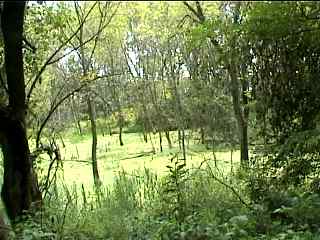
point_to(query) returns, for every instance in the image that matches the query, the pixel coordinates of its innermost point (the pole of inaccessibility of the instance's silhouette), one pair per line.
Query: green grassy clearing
(134, 155)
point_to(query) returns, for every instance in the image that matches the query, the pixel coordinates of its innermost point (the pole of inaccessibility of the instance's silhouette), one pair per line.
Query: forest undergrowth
(195, 204)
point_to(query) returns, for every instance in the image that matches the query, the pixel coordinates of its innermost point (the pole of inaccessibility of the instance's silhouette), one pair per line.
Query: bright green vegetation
(141, 199)
(143, 205)
(135, 155)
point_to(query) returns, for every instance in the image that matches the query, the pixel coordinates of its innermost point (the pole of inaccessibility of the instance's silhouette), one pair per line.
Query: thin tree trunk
(244, 145)
(120, 135)
(109, 127)
(202, 136)
(92, 116)
(76, 117)
(160, 141)
(145, 136)
(231, 159)
(152, 145)
(20, 188)
(167, 133)
(183, 145)
(240, 114)
(120, 122)
(213, 150)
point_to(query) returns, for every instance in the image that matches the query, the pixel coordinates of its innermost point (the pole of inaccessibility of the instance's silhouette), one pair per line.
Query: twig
(229, 187)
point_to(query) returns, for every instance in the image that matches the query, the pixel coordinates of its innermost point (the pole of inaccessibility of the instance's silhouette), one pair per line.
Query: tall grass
(133, 208)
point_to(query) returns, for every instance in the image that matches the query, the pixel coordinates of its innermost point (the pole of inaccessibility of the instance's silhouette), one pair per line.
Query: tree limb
(55, 107)
(198, 13)
(49, 60)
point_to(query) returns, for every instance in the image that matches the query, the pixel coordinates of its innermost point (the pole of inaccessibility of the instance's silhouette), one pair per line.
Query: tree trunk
(240, 114)
(76, 116)
(184, 154)
(244, 145)
(20, 188)
(160, 141)
(241, 109)
(92, 116)
(145, 136)
(152, 145)
(167, 133)
(120, 135)
(202, 136)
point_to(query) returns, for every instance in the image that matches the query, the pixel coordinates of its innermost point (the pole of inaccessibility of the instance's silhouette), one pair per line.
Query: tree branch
(199, 14)
(49, 60)
(55, 107)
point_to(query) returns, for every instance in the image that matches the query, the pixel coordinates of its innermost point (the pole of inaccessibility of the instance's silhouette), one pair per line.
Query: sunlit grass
(134, 155)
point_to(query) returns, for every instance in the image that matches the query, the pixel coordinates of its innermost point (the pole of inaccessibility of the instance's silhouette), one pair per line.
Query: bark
(92, 116)
(152, 145)
(179, 138)
(241, 109)
(20, 188)
(184, 154)
(245, 113)
(244, 145)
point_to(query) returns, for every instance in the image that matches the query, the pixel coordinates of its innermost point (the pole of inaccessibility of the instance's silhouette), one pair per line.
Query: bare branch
(233, 190)
(200, 12)
(101, 28)
(49, 60)
(29, 45)
(55, 107)
(195, 12)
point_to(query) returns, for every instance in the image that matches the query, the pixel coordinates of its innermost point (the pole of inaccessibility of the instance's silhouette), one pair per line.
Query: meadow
(134, 156)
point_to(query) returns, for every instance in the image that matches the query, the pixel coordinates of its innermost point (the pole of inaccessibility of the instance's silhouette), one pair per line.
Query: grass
(134, 155)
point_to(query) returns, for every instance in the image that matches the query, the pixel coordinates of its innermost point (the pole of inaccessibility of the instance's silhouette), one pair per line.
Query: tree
(148, 53)
(225, 37)
(20, 187)
(86, 62)
(286, 66)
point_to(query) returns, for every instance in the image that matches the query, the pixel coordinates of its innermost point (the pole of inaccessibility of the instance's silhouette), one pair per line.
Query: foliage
(286, 66)
(134, 208)
(174, 188)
